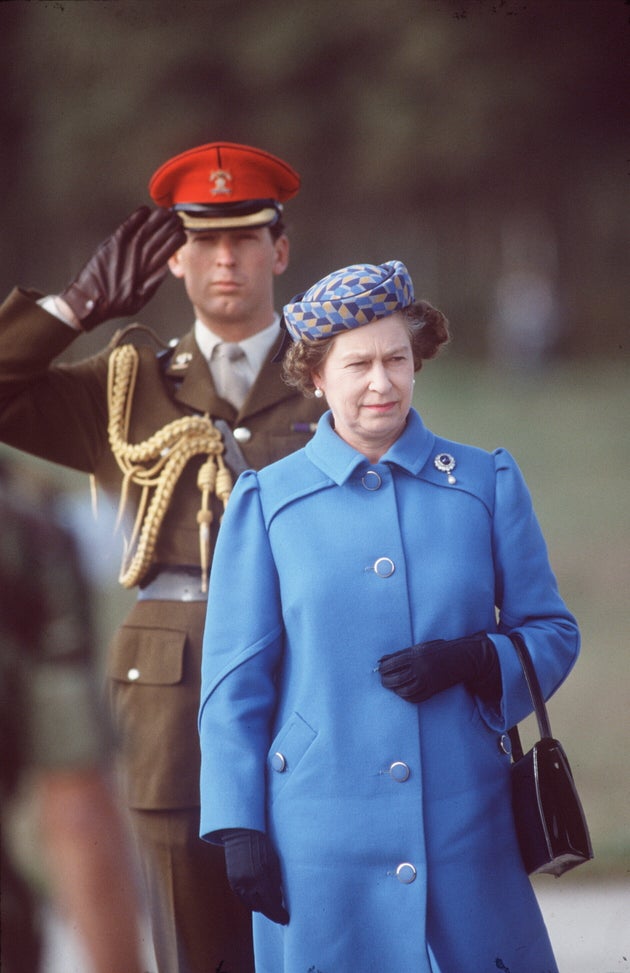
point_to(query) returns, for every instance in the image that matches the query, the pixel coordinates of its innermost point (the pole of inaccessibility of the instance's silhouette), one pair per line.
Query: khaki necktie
(232, 378)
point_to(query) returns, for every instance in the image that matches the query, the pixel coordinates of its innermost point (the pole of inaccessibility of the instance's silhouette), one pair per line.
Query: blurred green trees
(484, 142)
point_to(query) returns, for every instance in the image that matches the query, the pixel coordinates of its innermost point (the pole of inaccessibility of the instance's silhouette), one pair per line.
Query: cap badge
(220, 180)
(445, 463)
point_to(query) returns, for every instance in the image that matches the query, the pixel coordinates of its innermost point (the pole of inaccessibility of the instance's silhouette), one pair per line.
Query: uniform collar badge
(182, 360)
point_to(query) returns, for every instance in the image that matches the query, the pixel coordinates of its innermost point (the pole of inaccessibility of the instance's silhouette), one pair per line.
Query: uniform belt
(174, 584)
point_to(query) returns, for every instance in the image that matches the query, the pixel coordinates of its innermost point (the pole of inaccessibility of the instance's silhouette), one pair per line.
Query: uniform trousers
(190, 901)
(198, 924)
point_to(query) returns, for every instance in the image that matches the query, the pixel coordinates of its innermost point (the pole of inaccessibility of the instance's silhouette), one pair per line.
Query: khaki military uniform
(60, 412)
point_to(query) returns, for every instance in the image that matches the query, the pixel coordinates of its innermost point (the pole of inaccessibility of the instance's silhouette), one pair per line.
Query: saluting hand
(126, 269)
(421, 671)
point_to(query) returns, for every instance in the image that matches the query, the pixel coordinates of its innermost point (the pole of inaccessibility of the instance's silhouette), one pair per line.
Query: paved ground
(589, 927)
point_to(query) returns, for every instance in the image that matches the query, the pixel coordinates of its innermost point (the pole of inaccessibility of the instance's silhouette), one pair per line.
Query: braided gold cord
(156, 465)
(206, 480)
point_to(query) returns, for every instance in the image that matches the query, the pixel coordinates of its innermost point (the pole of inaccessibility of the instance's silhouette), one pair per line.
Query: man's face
(229, 277)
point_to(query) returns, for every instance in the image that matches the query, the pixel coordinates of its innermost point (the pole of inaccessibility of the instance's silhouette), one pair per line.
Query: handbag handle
(538, 700)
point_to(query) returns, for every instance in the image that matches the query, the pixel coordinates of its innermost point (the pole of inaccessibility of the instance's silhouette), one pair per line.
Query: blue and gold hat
(349, 298)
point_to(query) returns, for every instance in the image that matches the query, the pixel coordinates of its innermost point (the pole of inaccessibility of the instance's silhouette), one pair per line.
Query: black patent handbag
(550, 823)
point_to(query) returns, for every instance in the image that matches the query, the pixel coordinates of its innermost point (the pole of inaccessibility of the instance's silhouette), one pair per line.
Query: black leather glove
(253, 871)
(127, 268)
(419, 672)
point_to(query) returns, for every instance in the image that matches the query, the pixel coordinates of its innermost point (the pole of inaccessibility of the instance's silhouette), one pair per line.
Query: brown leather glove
(127, 268)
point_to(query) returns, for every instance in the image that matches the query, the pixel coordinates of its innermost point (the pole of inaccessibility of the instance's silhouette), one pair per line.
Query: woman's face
(367, 378)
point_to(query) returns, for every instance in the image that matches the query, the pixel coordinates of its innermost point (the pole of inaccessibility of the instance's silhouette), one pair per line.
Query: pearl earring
(318, 393)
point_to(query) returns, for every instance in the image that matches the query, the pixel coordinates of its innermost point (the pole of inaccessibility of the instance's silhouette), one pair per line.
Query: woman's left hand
(421, 671)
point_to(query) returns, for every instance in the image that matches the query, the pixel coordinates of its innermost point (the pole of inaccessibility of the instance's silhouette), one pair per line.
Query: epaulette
(138, 334)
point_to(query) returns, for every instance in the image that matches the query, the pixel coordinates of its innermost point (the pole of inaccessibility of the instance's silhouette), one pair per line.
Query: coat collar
(338, 460)
(195, 388)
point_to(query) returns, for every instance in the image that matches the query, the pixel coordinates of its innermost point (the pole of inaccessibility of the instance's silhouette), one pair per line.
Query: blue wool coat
(392, 820)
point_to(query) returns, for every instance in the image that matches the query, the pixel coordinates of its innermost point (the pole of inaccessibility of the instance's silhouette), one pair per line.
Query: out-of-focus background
(483, 142)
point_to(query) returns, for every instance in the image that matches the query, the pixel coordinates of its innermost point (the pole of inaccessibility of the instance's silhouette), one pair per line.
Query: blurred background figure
(524, 331)
(54, 733)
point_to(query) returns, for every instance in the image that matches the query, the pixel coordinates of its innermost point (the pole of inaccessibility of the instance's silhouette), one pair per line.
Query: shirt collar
(256, 347)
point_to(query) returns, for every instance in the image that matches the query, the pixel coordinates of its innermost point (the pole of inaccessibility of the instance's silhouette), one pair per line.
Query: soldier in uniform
(166, 430)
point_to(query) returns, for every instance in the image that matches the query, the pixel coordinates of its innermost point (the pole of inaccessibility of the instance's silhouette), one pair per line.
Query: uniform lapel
(268, 390)
(188, 370)
(194, 388)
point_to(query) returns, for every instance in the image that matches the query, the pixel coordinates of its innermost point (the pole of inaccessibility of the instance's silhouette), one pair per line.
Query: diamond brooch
(445, 463)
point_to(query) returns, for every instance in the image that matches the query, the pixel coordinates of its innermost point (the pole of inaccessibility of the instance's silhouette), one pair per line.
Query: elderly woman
(358, 674)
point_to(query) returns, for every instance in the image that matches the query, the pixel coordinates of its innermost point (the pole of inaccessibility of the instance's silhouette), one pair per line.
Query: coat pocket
(287, 751)
(147, 657)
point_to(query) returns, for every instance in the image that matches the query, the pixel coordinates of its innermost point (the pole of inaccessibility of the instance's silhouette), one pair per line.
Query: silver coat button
(278, 762)
(406, 873)
(384, 567)
(399, 771)
(505, 744)
(242, 434)
(133, 674)
(371, 480)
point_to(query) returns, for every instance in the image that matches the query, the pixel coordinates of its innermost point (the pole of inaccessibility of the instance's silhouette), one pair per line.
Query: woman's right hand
(253, 871)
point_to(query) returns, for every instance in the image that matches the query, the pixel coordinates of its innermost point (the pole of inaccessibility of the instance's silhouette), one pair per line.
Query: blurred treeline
(484, 142)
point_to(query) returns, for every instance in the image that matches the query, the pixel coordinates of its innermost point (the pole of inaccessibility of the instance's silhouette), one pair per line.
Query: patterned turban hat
(349, 298)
